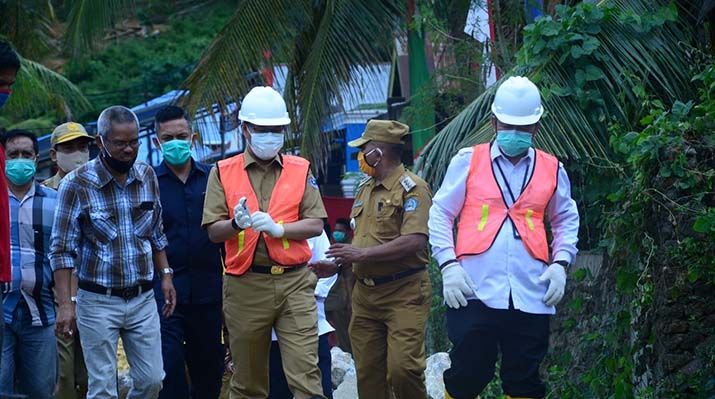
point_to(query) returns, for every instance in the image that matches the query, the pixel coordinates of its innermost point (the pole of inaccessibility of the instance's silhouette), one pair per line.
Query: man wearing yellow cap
(70, 150)
(393, 293)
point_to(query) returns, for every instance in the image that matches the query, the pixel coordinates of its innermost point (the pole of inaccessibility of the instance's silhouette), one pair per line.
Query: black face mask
(118, 166)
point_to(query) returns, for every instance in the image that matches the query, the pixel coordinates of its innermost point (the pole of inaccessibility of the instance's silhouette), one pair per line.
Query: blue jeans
(101, 320)
(29, 358)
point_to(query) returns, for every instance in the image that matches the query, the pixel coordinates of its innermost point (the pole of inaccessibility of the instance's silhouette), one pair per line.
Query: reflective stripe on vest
(284, 207)
(485, 211)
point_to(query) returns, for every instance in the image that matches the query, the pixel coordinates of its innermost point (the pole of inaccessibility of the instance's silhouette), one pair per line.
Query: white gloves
(456, 284)
(556, 274)
(263, 222)
(242, 215)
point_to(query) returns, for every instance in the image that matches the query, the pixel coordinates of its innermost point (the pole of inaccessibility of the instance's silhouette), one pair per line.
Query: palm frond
(577, 118)
(343, 42)
(39, 89)
(238, 49)
(28, 25)
(320, 42)
(88, 20)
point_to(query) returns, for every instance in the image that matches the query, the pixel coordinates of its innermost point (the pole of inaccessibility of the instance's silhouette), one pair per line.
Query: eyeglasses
(122, 144)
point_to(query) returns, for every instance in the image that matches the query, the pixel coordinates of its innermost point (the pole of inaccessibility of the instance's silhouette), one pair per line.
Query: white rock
(342, 363)
(348, 387)
(436, 365)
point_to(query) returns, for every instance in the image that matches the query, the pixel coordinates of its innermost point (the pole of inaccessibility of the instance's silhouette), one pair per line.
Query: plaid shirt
(108, 231)
(30, 227)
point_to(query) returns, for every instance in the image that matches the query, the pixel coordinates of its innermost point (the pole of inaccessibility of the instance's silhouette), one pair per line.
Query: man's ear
(53, 155)
(156, 143)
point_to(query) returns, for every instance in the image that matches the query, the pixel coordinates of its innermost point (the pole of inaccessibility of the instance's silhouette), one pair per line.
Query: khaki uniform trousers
(387, 332)
(253, 304)
(72, 378)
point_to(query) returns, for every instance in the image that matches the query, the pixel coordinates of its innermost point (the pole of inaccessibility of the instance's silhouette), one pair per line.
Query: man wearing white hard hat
(501, 280)
(264, 206)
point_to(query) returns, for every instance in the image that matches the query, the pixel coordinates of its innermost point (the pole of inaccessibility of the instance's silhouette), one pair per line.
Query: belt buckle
(369, 282)
(128, 293)
(277, 270)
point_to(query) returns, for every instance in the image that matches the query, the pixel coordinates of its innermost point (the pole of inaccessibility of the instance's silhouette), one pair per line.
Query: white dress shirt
(506, 267)
(318, 245)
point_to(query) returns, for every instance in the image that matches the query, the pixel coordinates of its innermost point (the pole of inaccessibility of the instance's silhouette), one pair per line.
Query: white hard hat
(517, 102)
(263, 106)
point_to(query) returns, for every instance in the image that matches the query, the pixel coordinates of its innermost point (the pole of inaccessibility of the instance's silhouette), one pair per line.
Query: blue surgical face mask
(513, 142)
(339, 236)
(176, 152)
(20, 171)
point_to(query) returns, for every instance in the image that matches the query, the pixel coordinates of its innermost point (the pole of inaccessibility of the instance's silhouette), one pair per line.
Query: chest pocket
(389, 218)
(143, 218)
(103, 225)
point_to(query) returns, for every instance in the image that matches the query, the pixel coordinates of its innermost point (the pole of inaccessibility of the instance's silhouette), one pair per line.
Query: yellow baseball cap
(67, 132)
(381, 130)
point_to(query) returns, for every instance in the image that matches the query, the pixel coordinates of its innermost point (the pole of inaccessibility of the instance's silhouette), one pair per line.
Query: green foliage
(137, 70)
(659, 229)
(40, 126)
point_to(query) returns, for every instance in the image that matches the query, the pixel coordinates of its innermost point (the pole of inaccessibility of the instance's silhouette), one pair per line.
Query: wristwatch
(234, 224)
(167, 270)
(73, 299)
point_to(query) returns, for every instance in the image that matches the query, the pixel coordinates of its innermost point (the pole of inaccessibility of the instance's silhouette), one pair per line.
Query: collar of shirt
(249, 159)
(495, 153)
(102, 175)
(196, 167)
(393, 178)
(34, 190)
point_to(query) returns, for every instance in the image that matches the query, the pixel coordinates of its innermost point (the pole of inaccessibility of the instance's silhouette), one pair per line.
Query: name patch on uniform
(411, 204)
(313, 182)
(407, 183)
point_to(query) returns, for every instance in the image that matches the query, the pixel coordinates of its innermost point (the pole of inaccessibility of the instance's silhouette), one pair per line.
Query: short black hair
(11, 134)
(8, 57)
(170, 113)
(344, 222)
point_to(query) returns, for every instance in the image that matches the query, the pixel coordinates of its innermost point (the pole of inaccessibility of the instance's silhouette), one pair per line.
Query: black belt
(125, 293)
(371, 282)
(275, 270)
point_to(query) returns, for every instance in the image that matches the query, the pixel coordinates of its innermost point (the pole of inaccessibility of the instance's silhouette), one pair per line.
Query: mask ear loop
(370, 152)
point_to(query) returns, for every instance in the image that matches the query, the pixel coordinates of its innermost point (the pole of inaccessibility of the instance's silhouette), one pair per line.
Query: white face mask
(266, 145)
(71, 161)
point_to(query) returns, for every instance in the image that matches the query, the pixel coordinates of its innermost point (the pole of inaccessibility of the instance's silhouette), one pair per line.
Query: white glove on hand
(455, 285)
(263, 222)
(242, 215)
(556, 274)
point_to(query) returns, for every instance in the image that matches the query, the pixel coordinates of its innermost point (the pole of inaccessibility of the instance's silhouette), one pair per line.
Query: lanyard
(506, 182)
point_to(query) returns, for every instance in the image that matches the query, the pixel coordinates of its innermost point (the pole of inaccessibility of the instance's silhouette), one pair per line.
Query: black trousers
(191, 338)
(478, 333)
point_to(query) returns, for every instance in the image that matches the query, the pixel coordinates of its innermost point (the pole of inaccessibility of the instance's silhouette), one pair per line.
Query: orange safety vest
(284, 207)
(485, 210)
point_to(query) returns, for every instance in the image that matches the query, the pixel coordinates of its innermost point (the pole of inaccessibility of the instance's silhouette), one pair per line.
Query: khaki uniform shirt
(263, 179)
(53, 182)
(384, 211)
